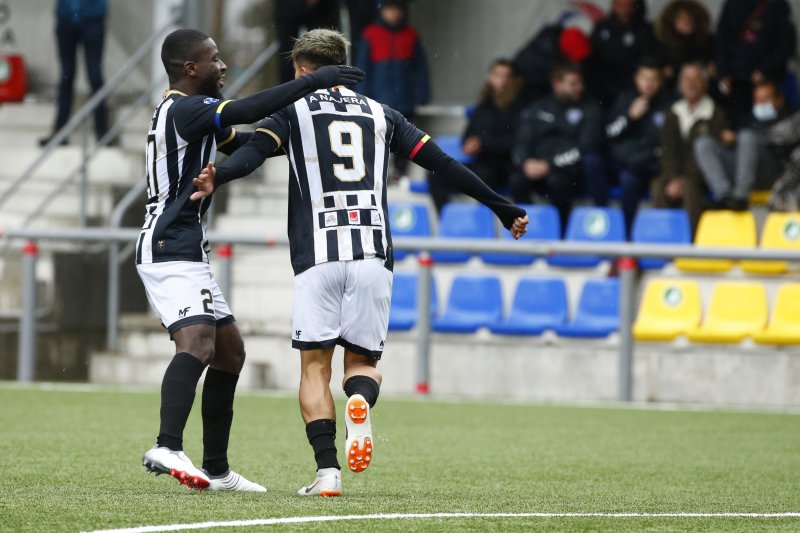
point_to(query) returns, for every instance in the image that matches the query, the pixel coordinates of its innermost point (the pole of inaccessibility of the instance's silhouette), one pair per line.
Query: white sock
(327, 471)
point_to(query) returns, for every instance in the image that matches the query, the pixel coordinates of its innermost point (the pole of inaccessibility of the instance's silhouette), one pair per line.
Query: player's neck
(185, 88)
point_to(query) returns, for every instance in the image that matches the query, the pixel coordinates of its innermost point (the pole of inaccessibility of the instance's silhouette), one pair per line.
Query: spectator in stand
(392, 55)
(633, 133)
(732, 163)
(755, 39)
(557, 148)
(619, 43)
(291, 16)
(553, 44)
(80, 22)
(490, 133)
(785, 193)
(684, 34)
(694, 116)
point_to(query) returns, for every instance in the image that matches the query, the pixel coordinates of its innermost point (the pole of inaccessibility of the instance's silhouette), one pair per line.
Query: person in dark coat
(619, 43)
(490, 133)
(557, 148)
(684, 35)
(755, 39)
(291, 16)
(633, 132)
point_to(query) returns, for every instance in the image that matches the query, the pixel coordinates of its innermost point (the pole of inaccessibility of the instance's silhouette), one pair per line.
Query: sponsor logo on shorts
(381, 345)
(331, 219)
(162, 245)
(354, 217)
(183, 312)
(297, 333)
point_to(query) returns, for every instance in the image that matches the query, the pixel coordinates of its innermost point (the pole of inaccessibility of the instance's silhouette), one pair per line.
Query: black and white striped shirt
(184, 136)
(338, 144)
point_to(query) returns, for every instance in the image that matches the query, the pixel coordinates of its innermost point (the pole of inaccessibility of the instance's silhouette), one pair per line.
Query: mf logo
(183, 312)
(381, 345)
(297, 333)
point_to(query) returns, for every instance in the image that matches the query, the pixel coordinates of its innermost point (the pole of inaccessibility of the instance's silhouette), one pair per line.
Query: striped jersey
(184, 136)
(338, 144)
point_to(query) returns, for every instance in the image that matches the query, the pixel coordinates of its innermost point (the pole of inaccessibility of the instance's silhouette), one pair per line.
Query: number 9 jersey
(337, 141)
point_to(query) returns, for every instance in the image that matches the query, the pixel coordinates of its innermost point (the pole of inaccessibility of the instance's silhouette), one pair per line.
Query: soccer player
(187, 128)
(338, 144)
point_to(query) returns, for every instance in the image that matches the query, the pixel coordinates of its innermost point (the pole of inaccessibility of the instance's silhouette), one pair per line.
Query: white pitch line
(308, 519)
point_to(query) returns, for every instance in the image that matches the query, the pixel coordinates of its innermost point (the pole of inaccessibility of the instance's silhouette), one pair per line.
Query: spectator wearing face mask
(732, 163)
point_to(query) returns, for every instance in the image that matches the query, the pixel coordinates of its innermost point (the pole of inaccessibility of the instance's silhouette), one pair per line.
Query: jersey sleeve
(406, 139)
(198, 116)
(277, 127)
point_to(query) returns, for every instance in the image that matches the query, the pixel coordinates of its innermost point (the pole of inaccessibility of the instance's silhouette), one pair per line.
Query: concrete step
(109, 165)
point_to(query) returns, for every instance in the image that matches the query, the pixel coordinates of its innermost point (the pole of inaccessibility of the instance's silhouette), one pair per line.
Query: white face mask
(765, 111)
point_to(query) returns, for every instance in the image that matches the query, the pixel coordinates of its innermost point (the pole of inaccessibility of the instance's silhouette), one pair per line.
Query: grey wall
(463, 36)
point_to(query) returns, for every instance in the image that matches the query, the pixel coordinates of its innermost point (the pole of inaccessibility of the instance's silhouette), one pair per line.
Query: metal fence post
(627, 275)
(424, 322)
(112, 316)
(26, 344)
(84, 185)
(225, 254)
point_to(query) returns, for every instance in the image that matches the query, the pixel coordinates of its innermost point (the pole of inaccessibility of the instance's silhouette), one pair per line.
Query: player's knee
(199, 345)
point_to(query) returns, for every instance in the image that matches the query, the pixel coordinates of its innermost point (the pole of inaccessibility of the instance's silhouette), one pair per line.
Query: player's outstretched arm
(264, 103)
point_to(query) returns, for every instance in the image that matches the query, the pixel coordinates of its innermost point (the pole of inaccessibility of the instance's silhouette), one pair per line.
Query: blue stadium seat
(464, 221)
(403, 313)
(598, 311)
(474, 302)
(451, 145)
(539, 304)
(661, 226)
(408, 220)
(420, 186)
(590, 224)
(543, 225)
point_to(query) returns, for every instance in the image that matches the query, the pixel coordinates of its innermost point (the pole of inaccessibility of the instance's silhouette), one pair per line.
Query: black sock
(217, 408)
(365, 386)
(322, 436)
(177, 396)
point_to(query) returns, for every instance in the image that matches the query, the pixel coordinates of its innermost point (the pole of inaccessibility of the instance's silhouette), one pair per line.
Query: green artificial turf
(71, 462)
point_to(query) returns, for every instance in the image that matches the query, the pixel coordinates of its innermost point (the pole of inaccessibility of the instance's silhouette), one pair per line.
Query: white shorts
(183, 293)
(345, 303)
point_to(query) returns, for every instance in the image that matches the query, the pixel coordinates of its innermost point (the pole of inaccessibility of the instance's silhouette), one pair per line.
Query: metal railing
(627, 253)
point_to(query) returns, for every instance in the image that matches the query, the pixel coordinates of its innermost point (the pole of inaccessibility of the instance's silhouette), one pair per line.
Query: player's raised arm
(264, 103)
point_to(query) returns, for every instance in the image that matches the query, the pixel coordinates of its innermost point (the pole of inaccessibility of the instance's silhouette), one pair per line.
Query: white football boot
(233, 481)
(358, 446)
(328, 483)
(165, 461)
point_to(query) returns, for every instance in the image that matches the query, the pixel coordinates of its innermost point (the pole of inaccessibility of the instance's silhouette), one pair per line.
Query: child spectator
(755, 39)
(633, 132)
(683, 31)
(619, 43)
(694, 116)
(557, 146)
(490, 133)
(391, 54)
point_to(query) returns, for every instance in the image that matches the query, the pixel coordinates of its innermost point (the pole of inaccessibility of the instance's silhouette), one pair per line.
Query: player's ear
(190, 69)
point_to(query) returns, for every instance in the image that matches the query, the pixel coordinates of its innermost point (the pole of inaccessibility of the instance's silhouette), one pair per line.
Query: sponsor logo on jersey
(376, 218)
(574, 115)
(354, 217)
(331, 219)
(211, 100)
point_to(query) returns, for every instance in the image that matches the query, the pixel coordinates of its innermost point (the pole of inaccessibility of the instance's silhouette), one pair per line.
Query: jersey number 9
(347, 141)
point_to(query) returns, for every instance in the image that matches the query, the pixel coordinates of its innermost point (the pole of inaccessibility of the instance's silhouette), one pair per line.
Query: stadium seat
(403, 313)
(408, 220)
(726, 229)
(543, 225)
(781, 232)
(451, 145)
(590, 224)
(474, 302)
(598, 311)
(660, 226)
(464, 221)
(420, 186)
(737, 310)
(784, 325)
(670, 307)
(539, 304)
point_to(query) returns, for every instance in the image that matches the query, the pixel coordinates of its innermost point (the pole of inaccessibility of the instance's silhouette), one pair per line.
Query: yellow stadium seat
(721, 229)
(782, 232)
(784, 327)
(670, 307)
(737, 310)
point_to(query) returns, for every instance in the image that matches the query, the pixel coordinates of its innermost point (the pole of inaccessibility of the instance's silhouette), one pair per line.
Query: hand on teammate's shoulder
(204, 182)
(333, 75)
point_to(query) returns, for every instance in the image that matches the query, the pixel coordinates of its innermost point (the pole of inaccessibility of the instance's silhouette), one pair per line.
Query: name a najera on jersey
(323, 97)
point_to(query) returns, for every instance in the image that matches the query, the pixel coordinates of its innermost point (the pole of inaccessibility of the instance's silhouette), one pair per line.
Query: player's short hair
(563, 68)
(319, 48)
(180, 46)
